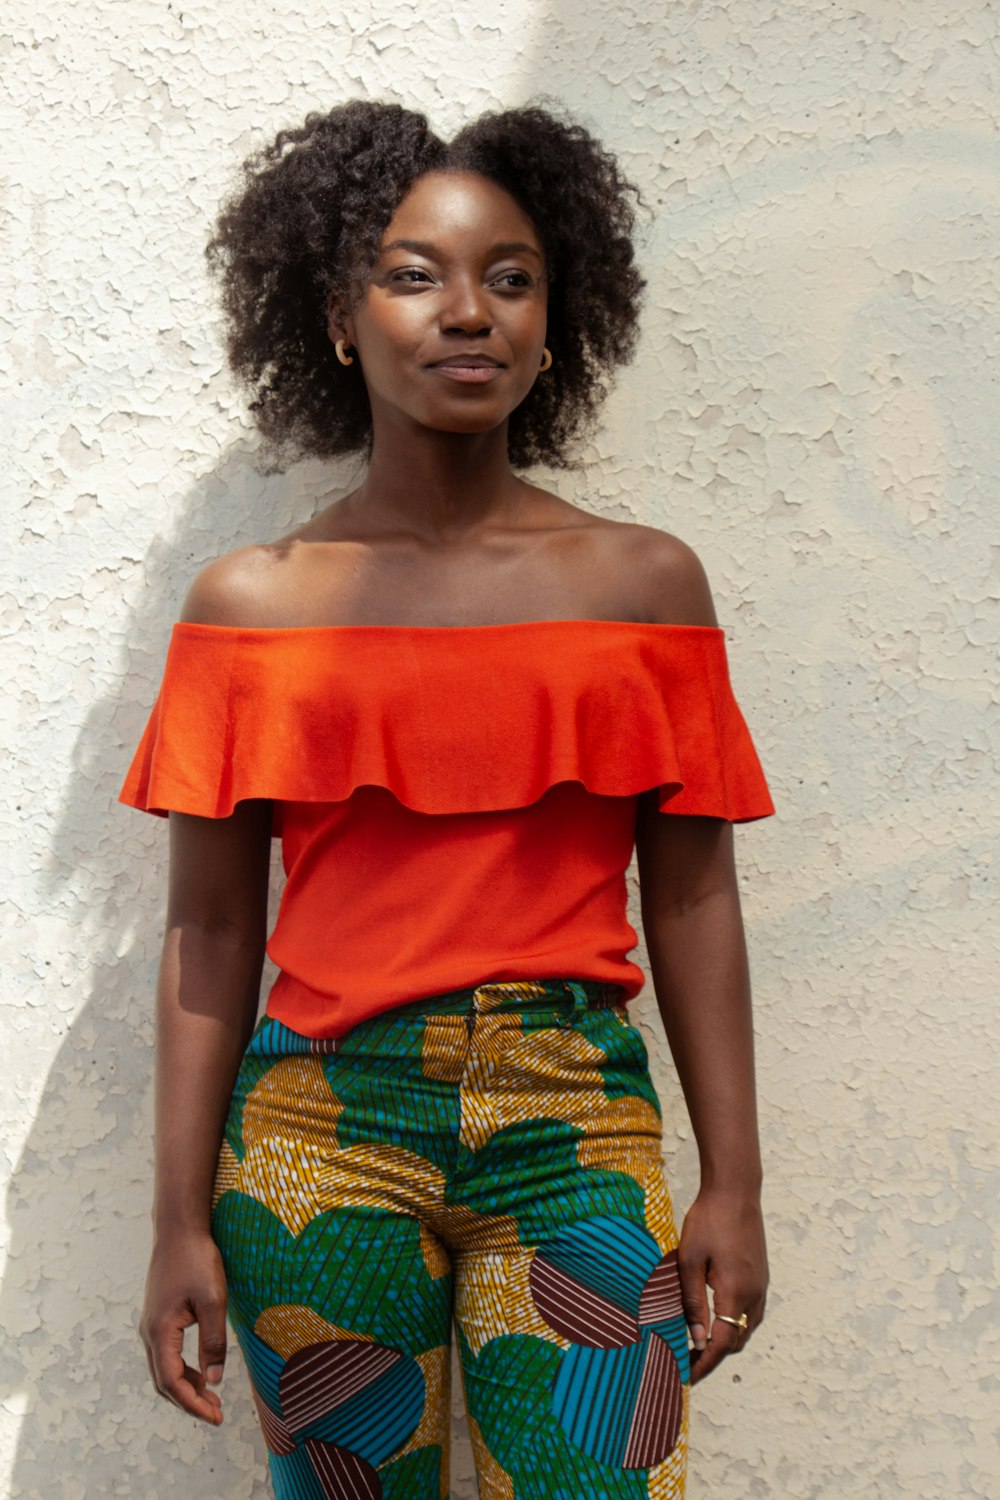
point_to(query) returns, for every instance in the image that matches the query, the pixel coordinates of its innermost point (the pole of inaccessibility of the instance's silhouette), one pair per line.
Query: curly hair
(307, 220)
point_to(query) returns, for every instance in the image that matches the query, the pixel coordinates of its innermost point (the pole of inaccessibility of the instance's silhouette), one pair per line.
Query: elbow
(222, 943)
(686, 905)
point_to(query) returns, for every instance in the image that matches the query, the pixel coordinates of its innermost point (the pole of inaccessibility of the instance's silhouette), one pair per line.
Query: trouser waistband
(512, 995)
(540, 1002)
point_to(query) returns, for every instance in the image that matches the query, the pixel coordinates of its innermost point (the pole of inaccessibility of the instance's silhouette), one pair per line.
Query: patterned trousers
(489, 1157)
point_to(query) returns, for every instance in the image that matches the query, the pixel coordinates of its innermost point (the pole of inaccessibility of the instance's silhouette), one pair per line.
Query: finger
(755, 1316)
(177, 1381)
(694, 1299)
(722, 1342)
(212, 1339)
(718, 1347)
(727, 1335)
(192, 1395)
(164, 1344)
(149, 1355)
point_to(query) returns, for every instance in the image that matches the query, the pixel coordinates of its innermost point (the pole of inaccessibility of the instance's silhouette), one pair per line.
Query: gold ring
(740, 1322)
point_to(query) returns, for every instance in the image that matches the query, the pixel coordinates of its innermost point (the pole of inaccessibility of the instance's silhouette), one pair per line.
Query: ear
(338, 323)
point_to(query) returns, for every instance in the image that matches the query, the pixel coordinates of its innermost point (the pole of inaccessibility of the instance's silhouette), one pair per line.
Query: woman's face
(450, 327)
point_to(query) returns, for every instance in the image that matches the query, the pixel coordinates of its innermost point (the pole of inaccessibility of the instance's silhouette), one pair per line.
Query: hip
(526, 1079)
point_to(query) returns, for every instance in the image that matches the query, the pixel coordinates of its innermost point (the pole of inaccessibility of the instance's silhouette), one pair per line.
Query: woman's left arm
(697, 952)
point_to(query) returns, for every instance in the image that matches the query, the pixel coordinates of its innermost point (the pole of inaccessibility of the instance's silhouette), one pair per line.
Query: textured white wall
(813, 408)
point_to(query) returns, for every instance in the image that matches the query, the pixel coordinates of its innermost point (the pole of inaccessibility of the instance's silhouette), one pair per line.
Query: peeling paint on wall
(812, 408)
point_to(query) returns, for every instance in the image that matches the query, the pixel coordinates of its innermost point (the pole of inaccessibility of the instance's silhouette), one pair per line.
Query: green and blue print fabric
(491, 1157)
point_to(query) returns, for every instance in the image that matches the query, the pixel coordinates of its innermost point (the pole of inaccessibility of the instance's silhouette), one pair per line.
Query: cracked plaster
(812, 408)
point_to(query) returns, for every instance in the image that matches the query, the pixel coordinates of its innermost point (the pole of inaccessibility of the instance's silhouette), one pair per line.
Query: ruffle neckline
(449, 719)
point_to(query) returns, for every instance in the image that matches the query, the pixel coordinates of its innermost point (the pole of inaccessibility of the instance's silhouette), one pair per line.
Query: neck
(439, 486)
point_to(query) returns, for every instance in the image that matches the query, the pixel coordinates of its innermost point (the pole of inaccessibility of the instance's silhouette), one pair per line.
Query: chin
(469, 424)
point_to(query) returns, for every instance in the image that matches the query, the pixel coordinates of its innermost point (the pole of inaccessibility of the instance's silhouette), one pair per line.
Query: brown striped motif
(324, 1376)
(579, 1314)
(277, 1436)
(342, 1474)
(661, 1296)
(656, 1421)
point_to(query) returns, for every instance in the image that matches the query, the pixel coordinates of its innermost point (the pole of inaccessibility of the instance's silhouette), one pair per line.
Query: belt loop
(592, 994)
(580, 1000)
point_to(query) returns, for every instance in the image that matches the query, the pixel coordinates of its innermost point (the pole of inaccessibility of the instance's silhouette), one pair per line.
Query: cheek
(398, 326)
(528, 323)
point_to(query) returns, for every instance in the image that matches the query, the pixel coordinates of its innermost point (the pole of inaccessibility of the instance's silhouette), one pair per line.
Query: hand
(722, 1247)
(186, 1285)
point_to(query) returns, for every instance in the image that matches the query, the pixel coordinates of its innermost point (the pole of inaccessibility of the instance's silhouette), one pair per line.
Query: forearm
(206, 1005)
(698, 962)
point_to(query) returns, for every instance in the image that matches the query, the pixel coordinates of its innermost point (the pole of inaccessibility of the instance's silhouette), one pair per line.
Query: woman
(461, 702)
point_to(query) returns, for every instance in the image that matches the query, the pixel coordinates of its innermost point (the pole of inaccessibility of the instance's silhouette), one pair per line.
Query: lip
(466, 361)
(467, 374)
(467, 369)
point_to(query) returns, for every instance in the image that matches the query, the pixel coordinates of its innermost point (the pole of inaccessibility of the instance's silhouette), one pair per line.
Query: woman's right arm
(207, 998)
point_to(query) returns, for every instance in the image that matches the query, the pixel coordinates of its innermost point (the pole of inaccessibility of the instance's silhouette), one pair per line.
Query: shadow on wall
(79, 1200)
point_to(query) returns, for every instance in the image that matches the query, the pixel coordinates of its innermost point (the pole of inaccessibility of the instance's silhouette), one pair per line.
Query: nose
(466, 308)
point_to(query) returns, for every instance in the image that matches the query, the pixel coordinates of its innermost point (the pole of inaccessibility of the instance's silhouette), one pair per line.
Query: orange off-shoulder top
(456, 804)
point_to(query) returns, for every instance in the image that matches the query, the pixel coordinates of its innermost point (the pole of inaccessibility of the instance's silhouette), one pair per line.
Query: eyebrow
(425, 248)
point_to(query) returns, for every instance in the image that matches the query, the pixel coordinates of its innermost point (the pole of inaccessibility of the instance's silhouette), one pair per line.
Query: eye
(512, 280)
(411, 276)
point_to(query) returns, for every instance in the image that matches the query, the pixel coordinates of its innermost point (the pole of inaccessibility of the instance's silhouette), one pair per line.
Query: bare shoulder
(243, 588)
(662, 576)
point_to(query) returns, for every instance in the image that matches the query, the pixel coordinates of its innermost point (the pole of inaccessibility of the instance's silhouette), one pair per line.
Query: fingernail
(213, 1374)
(698, 1336)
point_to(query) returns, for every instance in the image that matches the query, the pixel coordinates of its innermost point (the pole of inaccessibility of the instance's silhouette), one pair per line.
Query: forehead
(452, 208)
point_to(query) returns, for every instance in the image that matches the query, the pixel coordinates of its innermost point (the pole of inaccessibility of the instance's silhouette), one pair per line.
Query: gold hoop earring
(546, 363)
(342, 354)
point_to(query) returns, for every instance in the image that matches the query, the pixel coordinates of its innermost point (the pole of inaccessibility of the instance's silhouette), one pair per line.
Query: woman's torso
(455, 744)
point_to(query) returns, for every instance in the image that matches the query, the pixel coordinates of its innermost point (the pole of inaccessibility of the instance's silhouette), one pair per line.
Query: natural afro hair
(308, 218)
